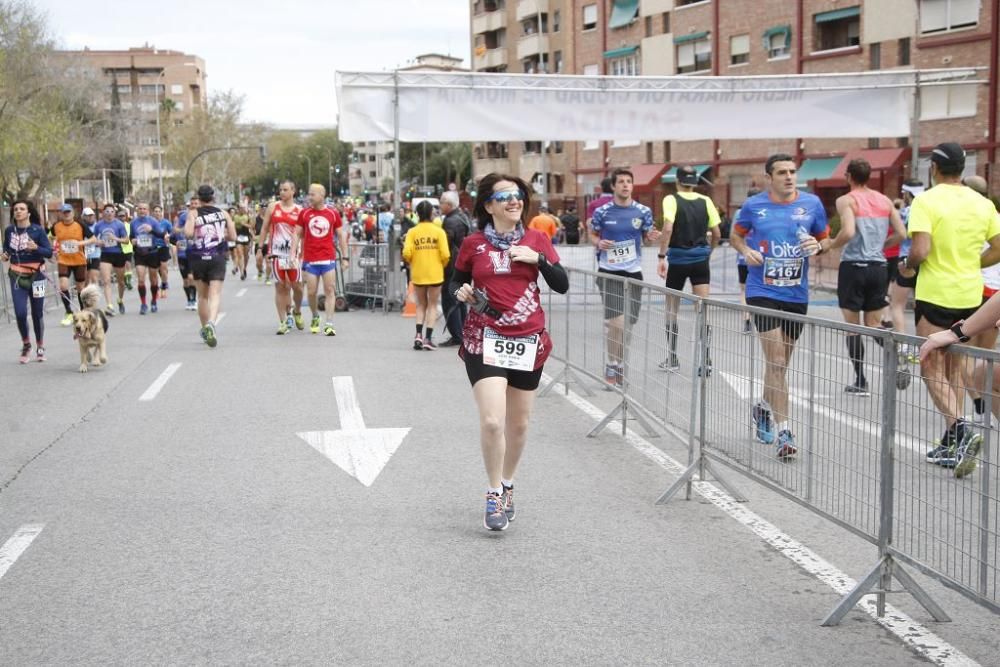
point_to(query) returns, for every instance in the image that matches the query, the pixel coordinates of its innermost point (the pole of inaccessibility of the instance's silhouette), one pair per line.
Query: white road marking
(241, 292)
(17, 544)
(912, 634)
(159, 382)
(221, 317)
(359, 451)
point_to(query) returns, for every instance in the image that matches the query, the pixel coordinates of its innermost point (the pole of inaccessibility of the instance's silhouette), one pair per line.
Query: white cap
(88, 211)
(914, 189)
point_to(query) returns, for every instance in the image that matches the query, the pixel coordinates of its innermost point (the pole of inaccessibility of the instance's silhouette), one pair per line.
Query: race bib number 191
(622, 252)
(512, 353)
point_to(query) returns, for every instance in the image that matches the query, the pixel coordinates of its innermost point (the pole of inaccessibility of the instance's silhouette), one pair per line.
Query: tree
(50, 127)
(286, 162)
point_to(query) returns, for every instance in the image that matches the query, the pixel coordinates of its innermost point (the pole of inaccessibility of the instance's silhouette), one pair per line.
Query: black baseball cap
(687, 175)
(948, 154)
(206, 193)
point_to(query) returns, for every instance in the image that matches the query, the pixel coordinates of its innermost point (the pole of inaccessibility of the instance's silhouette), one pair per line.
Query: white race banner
(436, 106)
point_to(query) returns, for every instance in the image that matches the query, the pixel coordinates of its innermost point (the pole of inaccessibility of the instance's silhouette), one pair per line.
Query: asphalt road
(198, 527)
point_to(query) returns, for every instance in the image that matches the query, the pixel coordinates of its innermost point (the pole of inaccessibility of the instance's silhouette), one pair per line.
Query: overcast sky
(281, 55)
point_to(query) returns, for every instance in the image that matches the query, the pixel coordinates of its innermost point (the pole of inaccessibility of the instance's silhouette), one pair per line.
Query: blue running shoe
(496, 517)
(507, 497)
(763, 424)
(152, 307)
(142, 309)
(786, 444)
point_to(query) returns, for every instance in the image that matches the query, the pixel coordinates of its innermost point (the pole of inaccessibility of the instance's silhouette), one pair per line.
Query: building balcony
(490, 58)
(532, 45)
(489, 22)
(526, 8)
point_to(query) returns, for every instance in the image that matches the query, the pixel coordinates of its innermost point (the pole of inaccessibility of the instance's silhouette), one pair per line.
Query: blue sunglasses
(506, 196)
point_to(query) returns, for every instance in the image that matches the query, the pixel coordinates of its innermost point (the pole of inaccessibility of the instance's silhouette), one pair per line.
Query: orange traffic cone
(410, 306)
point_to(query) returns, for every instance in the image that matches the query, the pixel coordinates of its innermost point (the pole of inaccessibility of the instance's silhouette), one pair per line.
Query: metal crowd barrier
(861, 460)
(372, 278)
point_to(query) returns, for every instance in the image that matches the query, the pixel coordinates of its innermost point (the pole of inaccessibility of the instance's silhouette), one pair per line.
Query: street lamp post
(329, 169)
(309, 172)
(159, 136)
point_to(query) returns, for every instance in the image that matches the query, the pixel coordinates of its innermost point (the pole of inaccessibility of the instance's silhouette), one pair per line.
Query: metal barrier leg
(698, 462)
(566, 377)
(887, 567)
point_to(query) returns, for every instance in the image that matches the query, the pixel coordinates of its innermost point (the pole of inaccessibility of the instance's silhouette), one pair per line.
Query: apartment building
(146, 79)
(739, 37)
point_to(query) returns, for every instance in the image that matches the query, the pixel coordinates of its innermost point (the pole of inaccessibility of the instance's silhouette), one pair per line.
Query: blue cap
(65, 207)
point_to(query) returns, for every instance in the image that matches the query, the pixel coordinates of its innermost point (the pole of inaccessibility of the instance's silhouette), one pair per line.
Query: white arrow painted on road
(359, 451)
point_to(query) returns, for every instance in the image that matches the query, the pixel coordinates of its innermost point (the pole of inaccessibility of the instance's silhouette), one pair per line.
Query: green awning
(692, 37)
(618, 53)
(623, 12)
(837, 14)
(671, 175)
(785, 30)
(816, 169)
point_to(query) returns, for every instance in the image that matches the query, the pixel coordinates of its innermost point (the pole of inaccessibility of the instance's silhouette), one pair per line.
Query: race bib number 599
(513, 353)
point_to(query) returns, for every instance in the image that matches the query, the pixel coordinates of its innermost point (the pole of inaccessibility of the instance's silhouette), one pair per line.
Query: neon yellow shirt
(959, 220)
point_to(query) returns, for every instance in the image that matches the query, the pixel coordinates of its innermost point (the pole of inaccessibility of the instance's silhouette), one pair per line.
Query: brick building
(737, 38)
(145, 76)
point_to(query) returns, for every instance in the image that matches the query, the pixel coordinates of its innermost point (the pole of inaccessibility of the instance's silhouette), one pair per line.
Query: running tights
(21, 298)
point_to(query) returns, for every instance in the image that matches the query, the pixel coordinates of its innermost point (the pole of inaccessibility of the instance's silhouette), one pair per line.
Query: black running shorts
(862, 286)
(698, 273)
(477, 370)
(791, 329)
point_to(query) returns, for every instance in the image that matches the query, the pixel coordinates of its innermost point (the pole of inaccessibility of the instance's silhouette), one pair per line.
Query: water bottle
(804, 236)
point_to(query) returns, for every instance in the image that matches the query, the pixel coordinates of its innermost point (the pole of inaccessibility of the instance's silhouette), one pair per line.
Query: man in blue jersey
(164, 246)
(145, 231)
(787, 227)
(618, 229)
(113, 234)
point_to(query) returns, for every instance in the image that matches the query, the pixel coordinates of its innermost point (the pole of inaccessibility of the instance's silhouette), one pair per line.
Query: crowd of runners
(480, 270)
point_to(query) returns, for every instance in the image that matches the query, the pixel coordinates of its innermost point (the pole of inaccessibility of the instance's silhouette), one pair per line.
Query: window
(944, 15)
(151, 89)
(649, 152)
(123, 88)
(838, 29)
(556, 147)
(179, 106)
(371, 158)
(778, 42)
(681, 3)
(739, 49)
(694, 55)
(556, 18)
(532, 147)
(176, 89)
(495, 39)
(873, 142)
(666, 22)
(649, 26)
(372, 174)
(875, 56)
(955, 101)
(624, 65)
(557, 60)
(589, 17)
(904, 52)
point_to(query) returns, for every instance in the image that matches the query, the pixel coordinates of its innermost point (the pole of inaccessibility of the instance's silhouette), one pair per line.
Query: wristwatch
(661, 256)
(956, 329)
(541, 259)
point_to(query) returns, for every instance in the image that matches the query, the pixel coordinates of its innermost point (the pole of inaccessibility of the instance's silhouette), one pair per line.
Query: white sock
(507, 482)
(497, 490)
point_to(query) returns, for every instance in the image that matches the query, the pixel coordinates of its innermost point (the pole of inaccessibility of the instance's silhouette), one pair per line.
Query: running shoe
(507, 498)
(965, 453)
(210, 339)
(190, 306)
(672, 363)
(786, 444)
(763, 424)
(451, 342)
(143, 309)
(495, 517)
(109, 311)
(25, 353)
(260, 277)
(283, 328)
(746, 326)
(706, 369)
(429, 345)
(913, 354)
(610, 376)
(418, 342)
(903, 377)
(121, 306)
(128, 280)
(66, 320)
(243, 275)
(857, 389)
(314, 325)
(152, 307)
(619, 375)
(40, 357)
(941, 451)
(328, 329)
(289, 322)
(300, 323)
(267, 282)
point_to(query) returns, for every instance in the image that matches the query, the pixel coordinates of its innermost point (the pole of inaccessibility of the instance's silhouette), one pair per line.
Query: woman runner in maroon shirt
(505, 343)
